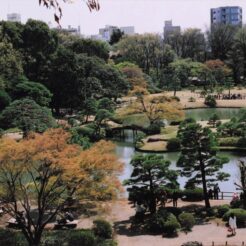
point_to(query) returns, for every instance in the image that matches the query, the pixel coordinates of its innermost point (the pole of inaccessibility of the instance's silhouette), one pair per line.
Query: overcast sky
(145, 15)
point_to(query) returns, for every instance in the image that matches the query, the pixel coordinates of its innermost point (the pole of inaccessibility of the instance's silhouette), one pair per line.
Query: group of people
(229, 97)
(214, 193)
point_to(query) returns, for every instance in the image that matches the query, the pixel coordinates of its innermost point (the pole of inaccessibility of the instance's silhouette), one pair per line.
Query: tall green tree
(26, 115)
(220, 40)
(116, 36)
(240, 45)
(150, 173)
(198, 159)
(90, 47)
(10, 63)
(39, 43)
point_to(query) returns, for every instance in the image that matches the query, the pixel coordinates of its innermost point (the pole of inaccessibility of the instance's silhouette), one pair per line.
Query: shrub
(102, 229)
(192, 195)
(174, 210)
(194, 243)
(7, 237)
(210, 101)
(187, 220)
(192, 99)
(222, 210)
(241, 143)
(171, 225)
(228, 141)
(173, 144)
(4, 99)
(175, 98)
(108, 242)
(157, 221)
(85, 238)
(154, 128)
(240, 215)
(237, 204)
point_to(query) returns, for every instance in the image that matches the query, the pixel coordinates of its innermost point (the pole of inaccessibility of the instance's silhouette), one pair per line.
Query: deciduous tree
(41, 174)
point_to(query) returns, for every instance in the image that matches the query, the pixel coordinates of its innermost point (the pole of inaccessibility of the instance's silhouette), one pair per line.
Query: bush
(222, 210)
(237, 204)
(192, 99)
(102, 229)
(241, 143)
(187, 220)
(228, 141)
(157, 221)
(210, 101)
(173, 144)
(175, 98)
(240, 215)
(192, 195)
(108, 242)
(171, 225)
(5, 100)
(85, 238)
(174, 210)
(154, 128)
(194, 243)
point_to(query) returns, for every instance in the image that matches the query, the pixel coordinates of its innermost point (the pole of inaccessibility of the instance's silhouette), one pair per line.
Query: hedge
(240, 215)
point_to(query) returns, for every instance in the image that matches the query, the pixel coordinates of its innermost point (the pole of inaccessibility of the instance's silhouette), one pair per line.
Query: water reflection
(125, 150)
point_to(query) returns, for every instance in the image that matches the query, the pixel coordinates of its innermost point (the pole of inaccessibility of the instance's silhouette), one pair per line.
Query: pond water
(125, 151)
(206, 113)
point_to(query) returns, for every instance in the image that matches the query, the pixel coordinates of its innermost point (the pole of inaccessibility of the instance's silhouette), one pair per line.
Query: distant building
(14, 17)
(107, 31)
(70, 30)
(170, 29)
(226, 15)
(97, 37)
(128, 30)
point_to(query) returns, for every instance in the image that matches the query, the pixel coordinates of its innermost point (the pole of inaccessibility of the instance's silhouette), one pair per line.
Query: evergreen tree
(198, 158)
(150, 172)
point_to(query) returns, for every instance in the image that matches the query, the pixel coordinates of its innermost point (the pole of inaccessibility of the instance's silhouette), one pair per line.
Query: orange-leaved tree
(40, 174)
(154, 107)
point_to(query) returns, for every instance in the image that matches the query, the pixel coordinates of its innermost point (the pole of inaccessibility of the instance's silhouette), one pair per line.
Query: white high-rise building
(15, 17)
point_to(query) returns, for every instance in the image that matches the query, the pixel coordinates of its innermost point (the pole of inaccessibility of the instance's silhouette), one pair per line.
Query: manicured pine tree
(198, 159)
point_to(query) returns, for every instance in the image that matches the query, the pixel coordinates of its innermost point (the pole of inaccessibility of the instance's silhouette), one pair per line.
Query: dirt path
(206, 233)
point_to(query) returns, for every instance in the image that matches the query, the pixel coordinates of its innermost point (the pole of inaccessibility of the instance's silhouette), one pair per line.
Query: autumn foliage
(45, 171)
(155, 107)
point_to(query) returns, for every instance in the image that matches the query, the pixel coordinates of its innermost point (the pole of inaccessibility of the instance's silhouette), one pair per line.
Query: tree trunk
(204, 186)
(174, 92)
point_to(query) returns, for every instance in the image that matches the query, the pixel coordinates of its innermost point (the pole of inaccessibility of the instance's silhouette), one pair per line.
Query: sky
(146, 15)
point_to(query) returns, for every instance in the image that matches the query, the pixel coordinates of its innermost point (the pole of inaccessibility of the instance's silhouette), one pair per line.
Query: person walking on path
(233, 224)
(175, 199)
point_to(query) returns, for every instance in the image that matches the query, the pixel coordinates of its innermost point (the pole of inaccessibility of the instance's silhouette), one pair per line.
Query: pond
(125, 150)
(206, 113)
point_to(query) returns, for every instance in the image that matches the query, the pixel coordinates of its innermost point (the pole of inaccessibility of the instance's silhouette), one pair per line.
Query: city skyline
(144, 15)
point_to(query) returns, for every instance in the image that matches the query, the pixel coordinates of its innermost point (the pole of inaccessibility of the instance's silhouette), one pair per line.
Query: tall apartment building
(226, 15)
(15, 17)
(170, 29)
